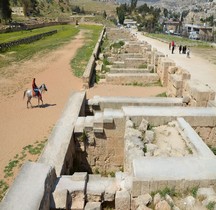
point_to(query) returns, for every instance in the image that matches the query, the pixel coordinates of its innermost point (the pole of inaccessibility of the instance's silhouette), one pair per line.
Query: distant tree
(104, 14)
(121, 14)
(165, 12)
(5, 10)
(29, 7)
(133, 4)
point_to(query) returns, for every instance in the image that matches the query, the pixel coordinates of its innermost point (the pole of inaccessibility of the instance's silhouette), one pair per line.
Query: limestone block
(143, 125)
(176, 81)
(189, 202)
(93, 206)
(122, 200)
(172, 69)
(162, 205)
(78, 201)
(149, 136)
(60, 200)
(157, 198)
(144, 199)
(110, 191)
(136, 187)
(143, 207)
(205, 192)
(210, 198)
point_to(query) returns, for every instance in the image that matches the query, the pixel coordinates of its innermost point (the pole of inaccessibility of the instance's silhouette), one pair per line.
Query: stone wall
(87, 75)
(60, 150)
(103, 145)
(4, 46)
(132, 79)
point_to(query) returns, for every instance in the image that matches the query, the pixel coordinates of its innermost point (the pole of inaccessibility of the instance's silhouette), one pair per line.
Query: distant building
(205, 32)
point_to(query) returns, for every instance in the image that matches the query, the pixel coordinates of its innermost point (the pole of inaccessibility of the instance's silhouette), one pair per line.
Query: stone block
(60, 200)
(122, 200)
(176, 80)
(136, 187)
(93, 206)
(172, 69)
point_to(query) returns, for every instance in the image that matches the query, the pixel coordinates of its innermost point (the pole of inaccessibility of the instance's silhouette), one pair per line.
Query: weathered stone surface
(122, 200)
(205, 192)
(189, 201)
(143, 125)
(157, 198)
(145, 199)
(93, 206)
(162, 205)
(149, 136)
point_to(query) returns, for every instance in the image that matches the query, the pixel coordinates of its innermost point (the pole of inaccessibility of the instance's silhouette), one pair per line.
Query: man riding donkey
(35, 89)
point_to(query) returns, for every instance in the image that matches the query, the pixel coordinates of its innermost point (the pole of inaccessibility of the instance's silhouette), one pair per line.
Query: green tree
(133, 4)
(121, 14)
(5, 10)
(29, 7)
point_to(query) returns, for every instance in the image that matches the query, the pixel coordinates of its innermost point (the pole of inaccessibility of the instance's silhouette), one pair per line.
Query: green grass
(17, 162)
(161, 94)
(26, 51)
(79, 63)
(211, 205)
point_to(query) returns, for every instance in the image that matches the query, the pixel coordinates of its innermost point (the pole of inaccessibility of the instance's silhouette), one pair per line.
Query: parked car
(194, 35)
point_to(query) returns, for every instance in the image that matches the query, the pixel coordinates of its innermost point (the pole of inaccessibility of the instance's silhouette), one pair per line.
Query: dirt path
(199, 67)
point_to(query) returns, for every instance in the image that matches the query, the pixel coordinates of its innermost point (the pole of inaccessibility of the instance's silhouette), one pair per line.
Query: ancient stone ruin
(127, 152)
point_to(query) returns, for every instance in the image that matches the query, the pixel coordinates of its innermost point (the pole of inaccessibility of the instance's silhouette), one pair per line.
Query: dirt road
(200, 68)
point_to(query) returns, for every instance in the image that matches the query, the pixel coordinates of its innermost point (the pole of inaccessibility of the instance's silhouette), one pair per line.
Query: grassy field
(26, 51)
(65, 34)
(81, 59)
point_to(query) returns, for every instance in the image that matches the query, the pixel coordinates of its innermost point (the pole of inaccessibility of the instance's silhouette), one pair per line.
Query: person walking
(188, 52)
(173, 46)
(180, 49)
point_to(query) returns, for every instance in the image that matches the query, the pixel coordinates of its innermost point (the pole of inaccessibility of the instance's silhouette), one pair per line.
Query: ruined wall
(101, 152)
(208, 134)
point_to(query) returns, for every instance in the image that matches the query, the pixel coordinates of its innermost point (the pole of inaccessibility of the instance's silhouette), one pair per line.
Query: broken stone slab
(76, 186)
(149, 136)
(96, 187)
(93, 206)
(205, 192)
(143, 125)
(122, 200)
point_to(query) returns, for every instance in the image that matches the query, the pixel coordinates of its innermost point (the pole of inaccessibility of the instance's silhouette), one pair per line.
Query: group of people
(182, 49)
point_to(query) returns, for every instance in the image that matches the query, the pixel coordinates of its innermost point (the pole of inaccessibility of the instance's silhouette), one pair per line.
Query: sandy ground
(20, 126)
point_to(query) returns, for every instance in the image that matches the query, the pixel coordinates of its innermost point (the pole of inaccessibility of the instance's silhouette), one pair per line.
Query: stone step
(89, 121)
(79, 125)
(98, 122)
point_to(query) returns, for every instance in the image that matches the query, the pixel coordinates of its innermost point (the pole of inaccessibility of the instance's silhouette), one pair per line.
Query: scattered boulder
(143, 125)
(162, 205)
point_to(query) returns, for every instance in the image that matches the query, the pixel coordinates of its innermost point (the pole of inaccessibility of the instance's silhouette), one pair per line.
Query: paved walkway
(199, 68)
